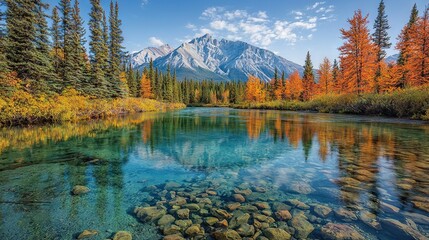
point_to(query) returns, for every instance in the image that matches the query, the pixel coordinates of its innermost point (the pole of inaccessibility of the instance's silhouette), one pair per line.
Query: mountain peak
(205, 57)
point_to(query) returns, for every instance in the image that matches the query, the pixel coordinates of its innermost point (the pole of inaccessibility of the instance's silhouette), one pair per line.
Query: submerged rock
(123, 235)
(183, 223)
(345, 214)
(400, 230)
(172, 186)
(301, 188)
(228, 234)
(166, 220)
(238, 220)
(334, 231)
(183, 213)
(174, 237)
(239, 198)
(276, 234)
(221, 214)
(172, 230)
(233, 206)
(302, 227)
(322, 211)
(194, 230)
(283, 215)
(246, 230)
(87, 234)
(149, 214)
(79, 190)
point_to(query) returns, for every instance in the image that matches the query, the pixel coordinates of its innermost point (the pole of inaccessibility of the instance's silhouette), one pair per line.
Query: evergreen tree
(28, 44)
(68, 68)
(380, 35)
(115, 47)
(97, 50)
(56, 40)
(308, 78)
(78, 53)
(335, 74)
(132, 80)
(3, 60)
(381, 39)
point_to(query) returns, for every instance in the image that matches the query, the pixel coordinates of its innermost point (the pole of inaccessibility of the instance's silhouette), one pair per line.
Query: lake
(203, 170)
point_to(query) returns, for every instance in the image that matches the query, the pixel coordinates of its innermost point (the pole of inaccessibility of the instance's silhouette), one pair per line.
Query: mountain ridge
(208, 58)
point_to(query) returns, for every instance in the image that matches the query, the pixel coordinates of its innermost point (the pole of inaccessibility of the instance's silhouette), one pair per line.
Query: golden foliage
(255, 89)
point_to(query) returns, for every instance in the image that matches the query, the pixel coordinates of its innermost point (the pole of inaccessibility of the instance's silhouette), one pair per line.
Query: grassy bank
(22, 108)
(409, 103)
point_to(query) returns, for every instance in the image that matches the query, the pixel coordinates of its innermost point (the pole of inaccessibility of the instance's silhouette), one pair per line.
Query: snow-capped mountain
(392, 58)
(208, 58)
(143, 57)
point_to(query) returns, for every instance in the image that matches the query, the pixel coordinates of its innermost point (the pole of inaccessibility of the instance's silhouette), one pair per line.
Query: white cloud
(315, 5)
(312, 20)
(191, 26)
(258, 28)
(156, 41)
(144, 2)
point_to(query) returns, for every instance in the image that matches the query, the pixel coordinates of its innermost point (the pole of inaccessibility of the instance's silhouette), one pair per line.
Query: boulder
(239, 198)
(79, 190)
(400, 230)
(302, 227)
(87, 234)
(122, 235)
(345, 214)
(322, 211)
(301, 188)
(183, 213)
(174, 237)
(228, 234)
(276, 234)
(334, 231)
(220, 213)
(166, 220)
(194, 230)
(246, 230)
(283, 215)
(149, 214)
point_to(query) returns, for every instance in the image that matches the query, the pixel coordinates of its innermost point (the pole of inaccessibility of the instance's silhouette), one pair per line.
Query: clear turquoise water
(358, 163)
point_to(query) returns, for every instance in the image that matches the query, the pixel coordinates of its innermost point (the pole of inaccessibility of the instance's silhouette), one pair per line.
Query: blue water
(362, 164)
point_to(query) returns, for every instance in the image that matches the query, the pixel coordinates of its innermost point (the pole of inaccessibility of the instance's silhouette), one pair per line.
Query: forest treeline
(47, 74)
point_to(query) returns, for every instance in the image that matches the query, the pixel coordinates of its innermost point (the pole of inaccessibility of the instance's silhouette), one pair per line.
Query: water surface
(360, 164)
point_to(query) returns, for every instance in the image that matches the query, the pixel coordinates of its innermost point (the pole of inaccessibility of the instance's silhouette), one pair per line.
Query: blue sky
(288, 28)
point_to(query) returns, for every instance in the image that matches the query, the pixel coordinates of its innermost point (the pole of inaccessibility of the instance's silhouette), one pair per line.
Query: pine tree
(56, 41)
(380, 35)
(335, 75)
(3, 60)
(68, 65)
(97, 50)
(381, 39)
(419, 59)
(308, 78)
(78, 53)
(131, 80)
(28, 44)
(115, 47)
(358, 55)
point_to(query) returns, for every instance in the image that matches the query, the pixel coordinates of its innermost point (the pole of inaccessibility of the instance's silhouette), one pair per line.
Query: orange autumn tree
(294, 86)
(419, 58)
(325, 84)
(405, 46)
(390, 76)
(358, 56)
(145, 87)
(254, 89)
